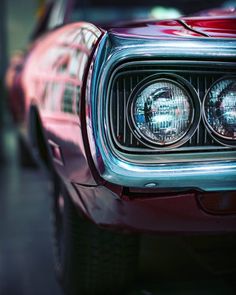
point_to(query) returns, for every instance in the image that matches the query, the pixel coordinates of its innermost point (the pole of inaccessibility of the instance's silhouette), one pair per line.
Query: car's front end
(161, 125)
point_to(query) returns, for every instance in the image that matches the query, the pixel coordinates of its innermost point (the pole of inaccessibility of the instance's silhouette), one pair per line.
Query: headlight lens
(220, 108)
(162, 112)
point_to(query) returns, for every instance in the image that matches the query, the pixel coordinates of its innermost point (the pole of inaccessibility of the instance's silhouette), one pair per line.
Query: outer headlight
(219, 109)
(163, 109)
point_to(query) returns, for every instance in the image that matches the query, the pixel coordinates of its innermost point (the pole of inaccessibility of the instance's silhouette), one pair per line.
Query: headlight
(220, 109)
(163, 110)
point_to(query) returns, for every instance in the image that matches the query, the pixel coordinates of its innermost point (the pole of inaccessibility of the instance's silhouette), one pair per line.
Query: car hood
(201, 26)
(216, 26)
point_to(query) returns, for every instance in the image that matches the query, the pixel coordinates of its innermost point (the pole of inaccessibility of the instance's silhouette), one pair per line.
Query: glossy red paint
(214, 27)
(154, 29)
(51, 72)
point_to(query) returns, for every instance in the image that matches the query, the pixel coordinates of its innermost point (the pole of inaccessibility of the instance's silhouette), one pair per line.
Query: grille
(127, 78)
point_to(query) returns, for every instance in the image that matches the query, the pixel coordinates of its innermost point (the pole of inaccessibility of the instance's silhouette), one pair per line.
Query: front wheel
(90, 260)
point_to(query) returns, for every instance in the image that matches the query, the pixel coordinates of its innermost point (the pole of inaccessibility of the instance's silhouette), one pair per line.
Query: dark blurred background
(181, 265)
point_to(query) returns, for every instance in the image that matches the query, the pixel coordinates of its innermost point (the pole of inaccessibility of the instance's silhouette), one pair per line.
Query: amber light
(218, 203)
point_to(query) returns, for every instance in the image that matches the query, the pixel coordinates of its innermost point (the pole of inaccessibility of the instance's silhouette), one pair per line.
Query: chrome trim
(188, 27)
(206, 175)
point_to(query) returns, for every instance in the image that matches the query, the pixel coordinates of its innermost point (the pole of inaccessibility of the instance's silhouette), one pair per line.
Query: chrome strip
(181, 21)
(131, 88)
(124, 115)
(118, 112)
(205, 175)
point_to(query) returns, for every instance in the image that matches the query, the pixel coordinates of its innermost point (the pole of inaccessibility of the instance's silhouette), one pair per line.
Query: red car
(136, 124)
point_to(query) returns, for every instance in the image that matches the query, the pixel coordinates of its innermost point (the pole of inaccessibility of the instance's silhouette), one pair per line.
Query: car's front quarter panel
(53, 81)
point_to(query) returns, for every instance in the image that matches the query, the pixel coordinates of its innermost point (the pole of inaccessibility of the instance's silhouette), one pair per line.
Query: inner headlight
(162, 111)
(220, 109)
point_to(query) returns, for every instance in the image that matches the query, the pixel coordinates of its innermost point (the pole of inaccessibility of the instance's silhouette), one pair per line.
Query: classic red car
(136, 124)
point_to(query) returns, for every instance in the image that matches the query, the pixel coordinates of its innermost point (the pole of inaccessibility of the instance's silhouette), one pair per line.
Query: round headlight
(220, 109)
(162, 111)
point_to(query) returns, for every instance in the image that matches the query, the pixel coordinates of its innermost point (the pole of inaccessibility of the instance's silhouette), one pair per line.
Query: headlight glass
(220, 109)
(162, 112)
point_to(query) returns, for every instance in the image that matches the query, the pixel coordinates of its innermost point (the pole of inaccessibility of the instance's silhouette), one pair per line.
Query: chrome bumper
(212, 176)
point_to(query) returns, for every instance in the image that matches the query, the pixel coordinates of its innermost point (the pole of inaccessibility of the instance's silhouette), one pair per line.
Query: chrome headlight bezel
(231, 142)
(194, 100)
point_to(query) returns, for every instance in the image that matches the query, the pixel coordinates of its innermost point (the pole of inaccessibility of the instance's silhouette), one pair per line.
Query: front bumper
(206, 176)
(165, 213)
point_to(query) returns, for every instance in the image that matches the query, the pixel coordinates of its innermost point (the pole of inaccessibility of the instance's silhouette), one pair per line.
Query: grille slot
(128, 77)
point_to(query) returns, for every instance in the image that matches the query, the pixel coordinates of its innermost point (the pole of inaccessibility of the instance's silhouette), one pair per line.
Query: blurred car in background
(136, 125)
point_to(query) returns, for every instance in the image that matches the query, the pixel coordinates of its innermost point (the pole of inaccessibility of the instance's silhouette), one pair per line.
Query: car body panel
(163, 213)
(214, 27)
(54, 85)
(155, 29)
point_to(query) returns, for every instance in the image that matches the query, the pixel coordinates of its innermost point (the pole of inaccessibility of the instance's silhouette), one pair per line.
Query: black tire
(90, 260)
(26, 159)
